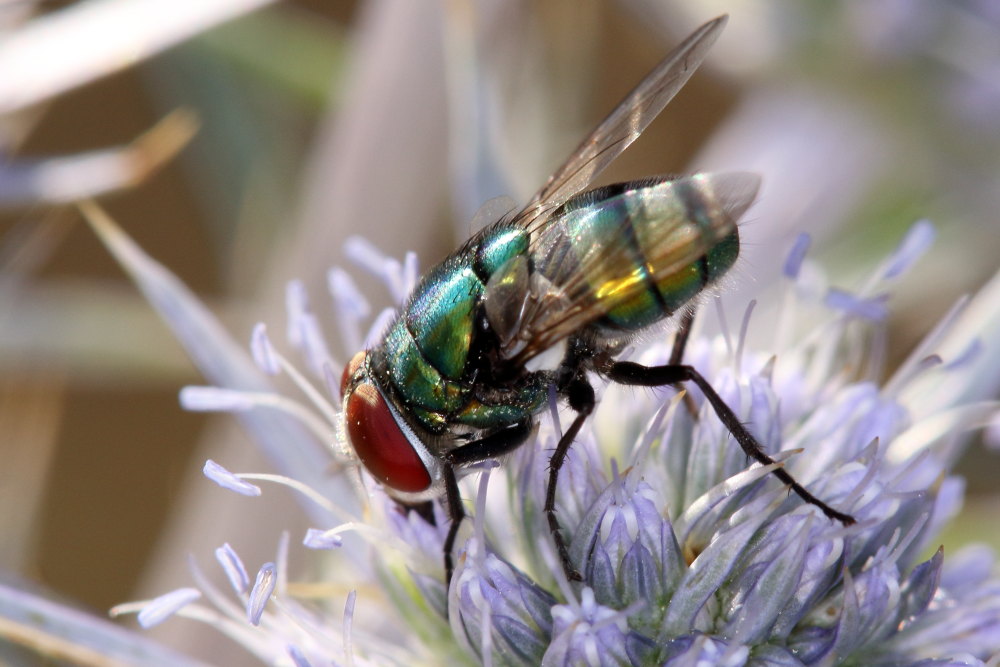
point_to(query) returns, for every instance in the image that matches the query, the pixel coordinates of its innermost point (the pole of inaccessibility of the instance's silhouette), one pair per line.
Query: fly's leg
(681, 338)
(453, 500)
(581, 398)
(627, 372)
(677, 356)
(490, 446)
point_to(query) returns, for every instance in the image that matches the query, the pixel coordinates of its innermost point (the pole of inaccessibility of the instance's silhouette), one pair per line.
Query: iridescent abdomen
(673, 238)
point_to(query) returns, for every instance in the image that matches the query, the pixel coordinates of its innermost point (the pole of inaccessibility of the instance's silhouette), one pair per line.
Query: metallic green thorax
(426, 350)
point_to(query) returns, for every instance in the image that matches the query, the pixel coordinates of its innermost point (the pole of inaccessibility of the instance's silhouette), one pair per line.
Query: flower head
(688, 554)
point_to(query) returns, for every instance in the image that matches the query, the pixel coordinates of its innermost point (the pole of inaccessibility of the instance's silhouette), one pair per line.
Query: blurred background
(318, 119)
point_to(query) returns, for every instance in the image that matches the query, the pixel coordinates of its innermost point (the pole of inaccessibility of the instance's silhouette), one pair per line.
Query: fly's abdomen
(642, 250)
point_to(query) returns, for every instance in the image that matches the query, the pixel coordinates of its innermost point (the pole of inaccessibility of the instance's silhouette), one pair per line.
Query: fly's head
(387, 446)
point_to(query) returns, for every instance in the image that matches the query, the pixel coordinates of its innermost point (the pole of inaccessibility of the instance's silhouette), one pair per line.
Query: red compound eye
(380, 443)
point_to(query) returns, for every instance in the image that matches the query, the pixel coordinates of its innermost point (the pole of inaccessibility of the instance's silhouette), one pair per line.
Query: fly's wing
(622, 126)
(516, 306)
(577, 283)
(497, 208)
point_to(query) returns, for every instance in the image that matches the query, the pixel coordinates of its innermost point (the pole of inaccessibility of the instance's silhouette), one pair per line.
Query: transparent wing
(579, 283)
(494, 209)
(622, 126)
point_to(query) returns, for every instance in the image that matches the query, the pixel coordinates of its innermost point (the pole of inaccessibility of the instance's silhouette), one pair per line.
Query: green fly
(449, 386)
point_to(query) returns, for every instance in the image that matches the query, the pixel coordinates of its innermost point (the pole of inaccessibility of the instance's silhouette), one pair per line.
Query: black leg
(456, 513)
(488, 447)
(677, 355)
(581, 398)
(681, 337)
(626, 372)
(491, 446)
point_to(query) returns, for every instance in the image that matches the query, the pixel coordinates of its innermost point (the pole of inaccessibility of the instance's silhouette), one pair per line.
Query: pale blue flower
(689, 555)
